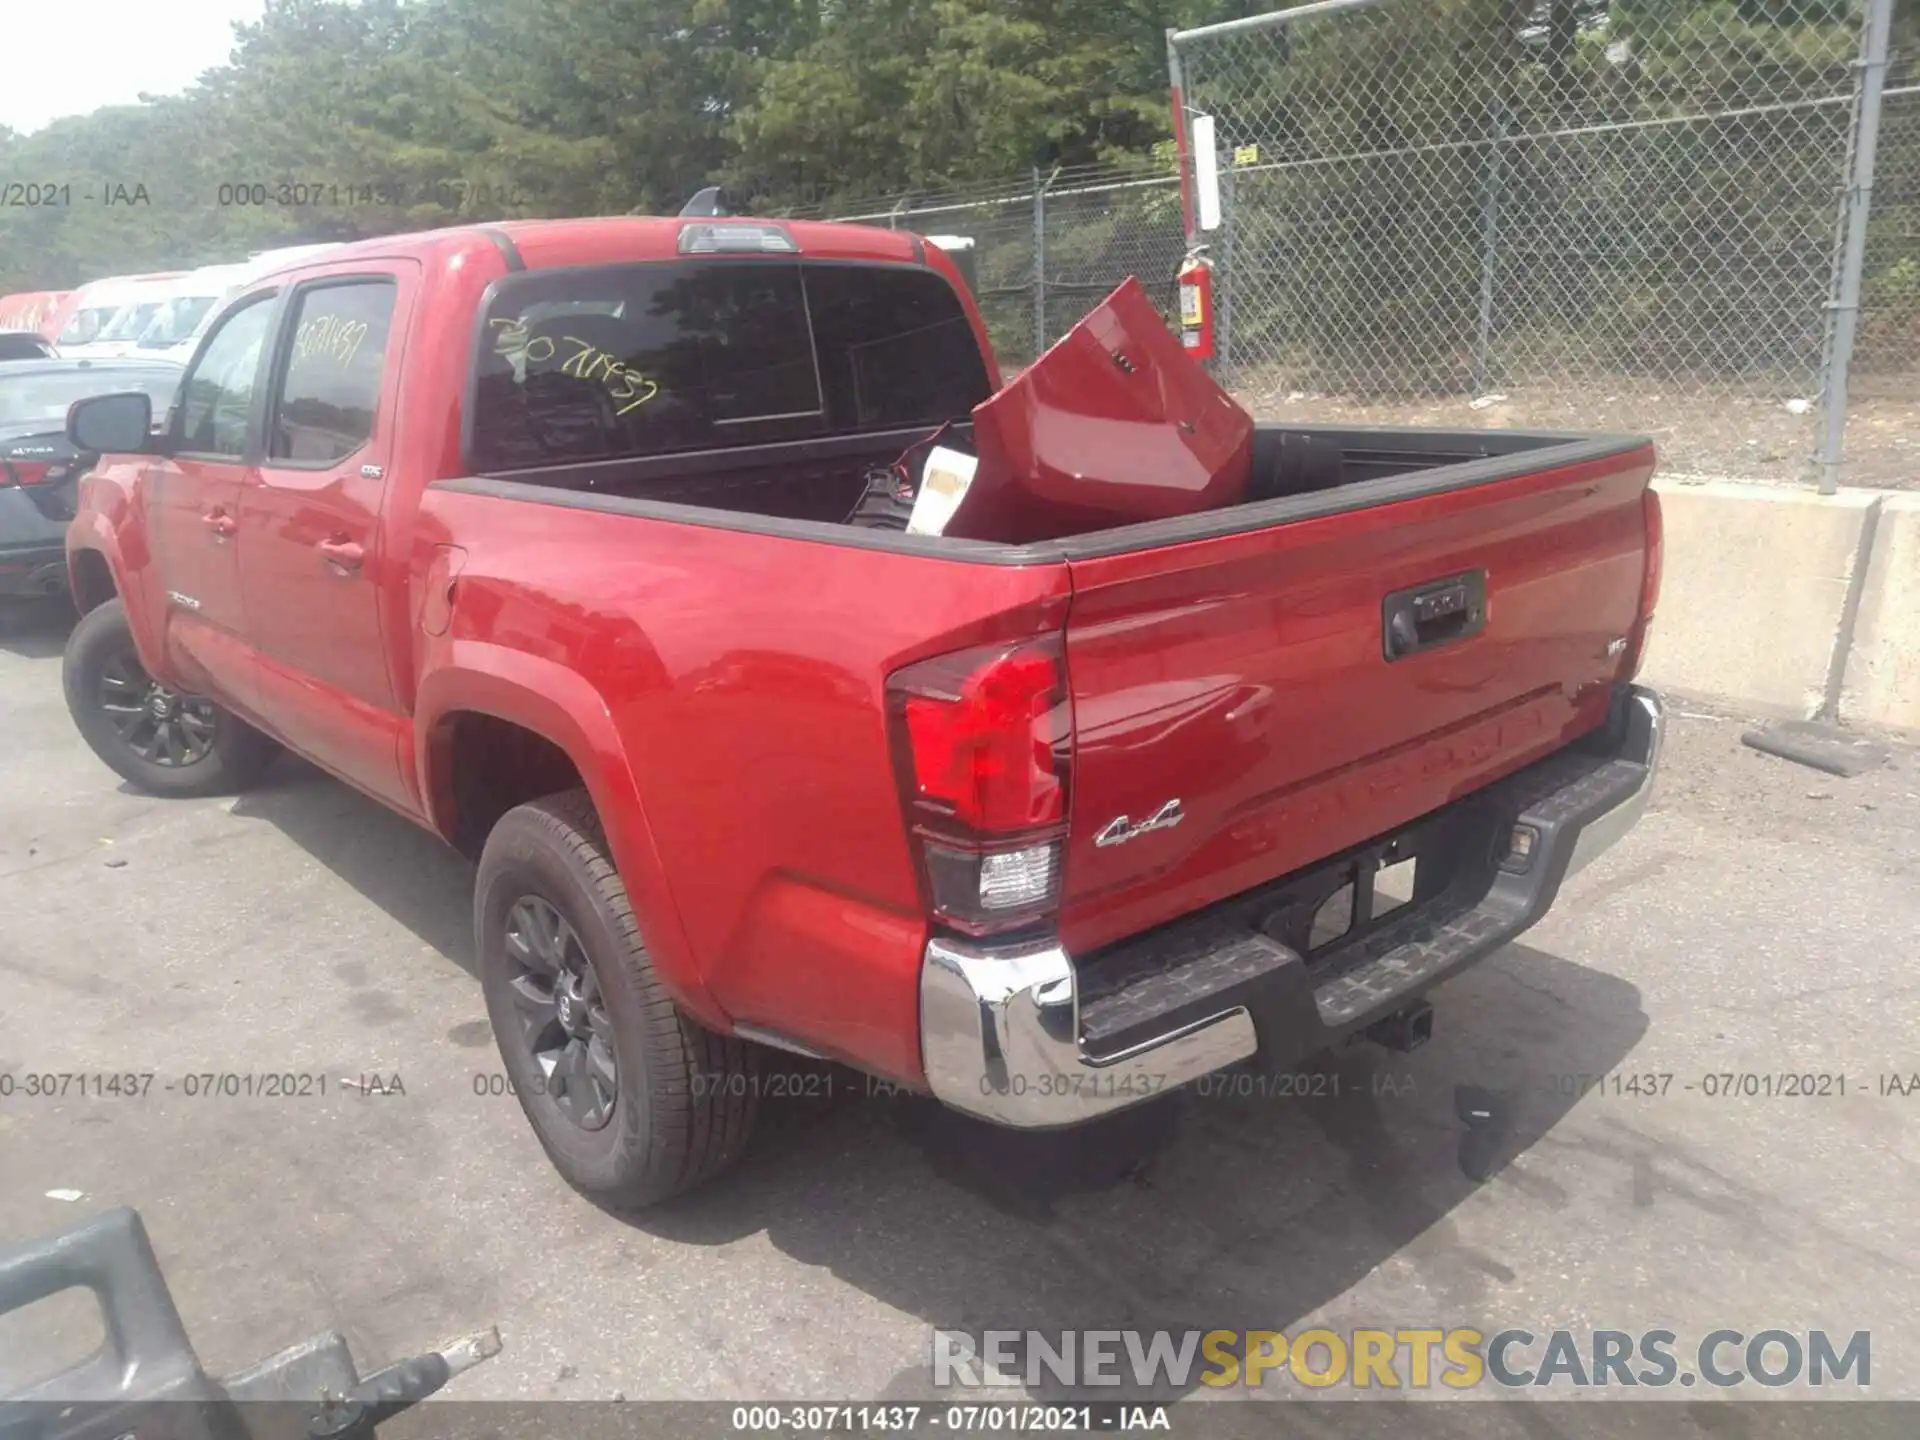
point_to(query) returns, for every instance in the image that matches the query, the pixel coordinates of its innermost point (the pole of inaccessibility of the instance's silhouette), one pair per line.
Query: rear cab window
(661, 358)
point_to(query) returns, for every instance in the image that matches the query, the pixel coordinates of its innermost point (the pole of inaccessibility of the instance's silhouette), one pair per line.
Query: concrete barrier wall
(1882, 666)
(1759, 590)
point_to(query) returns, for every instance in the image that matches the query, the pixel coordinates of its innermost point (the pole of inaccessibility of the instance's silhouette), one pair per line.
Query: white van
(99, 307)
(174, 331)
(192, 300)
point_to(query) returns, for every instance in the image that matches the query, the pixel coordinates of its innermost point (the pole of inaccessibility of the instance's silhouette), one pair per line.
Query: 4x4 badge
(1120, 829)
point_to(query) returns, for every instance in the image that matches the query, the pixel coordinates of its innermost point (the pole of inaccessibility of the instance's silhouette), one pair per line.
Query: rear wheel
(164, 741)
(633, 1101)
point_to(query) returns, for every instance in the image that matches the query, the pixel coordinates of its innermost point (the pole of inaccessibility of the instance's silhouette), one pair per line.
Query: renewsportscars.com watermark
(1400, 1359)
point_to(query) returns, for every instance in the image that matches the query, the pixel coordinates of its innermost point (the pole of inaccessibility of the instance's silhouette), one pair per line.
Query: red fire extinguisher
(1196, 303)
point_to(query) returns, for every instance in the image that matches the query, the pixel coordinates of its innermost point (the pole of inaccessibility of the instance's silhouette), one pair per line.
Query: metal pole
(1489, 246)
(1039, 265)
(1844, 307)
(1177, 95)
(1229, 208)
(1293, 15)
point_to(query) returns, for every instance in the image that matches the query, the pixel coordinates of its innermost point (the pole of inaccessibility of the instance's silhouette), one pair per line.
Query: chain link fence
(1590, 214)
(1048, 249)
(1887, 353)
(1569, 214)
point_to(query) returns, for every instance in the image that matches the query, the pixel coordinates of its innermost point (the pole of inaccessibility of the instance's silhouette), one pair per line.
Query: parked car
(193, 301)
(39, 466)
(123, 329)
(102, 308)
(1042, 829)
(182, 312)
(26, 345)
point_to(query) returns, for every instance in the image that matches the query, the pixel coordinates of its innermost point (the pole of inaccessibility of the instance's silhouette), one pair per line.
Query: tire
(681, 1102)
(217, 752)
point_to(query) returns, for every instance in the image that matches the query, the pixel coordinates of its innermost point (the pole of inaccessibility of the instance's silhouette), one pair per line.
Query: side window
(217, 397)
(324, 407)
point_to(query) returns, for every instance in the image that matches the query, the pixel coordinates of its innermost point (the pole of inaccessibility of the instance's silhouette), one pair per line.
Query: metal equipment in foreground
(145, 1380)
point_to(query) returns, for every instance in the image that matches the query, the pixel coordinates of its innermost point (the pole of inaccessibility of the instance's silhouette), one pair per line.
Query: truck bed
(806, 489)
(1231, 660)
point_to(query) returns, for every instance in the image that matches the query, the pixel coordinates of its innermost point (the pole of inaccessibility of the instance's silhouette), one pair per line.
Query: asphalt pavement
(1763, 921)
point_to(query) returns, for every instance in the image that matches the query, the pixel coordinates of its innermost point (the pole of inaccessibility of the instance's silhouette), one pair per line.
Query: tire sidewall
(524, 858)
(102, 634)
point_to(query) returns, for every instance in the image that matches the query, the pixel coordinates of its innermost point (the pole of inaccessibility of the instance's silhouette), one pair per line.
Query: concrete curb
(1882, 666)
(1759, 592)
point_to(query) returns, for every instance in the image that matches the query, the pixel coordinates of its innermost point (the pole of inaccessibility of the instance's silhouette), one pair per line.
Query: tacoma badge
(1119, 830)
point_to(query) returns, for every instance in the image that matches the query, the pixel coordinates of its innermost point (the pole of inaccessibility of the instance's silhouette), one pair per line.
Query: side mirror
(112, 425)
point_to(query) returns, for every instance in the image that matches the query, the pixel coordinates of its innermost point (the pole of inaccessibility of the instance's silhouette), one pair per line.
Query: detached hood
(1113, 425)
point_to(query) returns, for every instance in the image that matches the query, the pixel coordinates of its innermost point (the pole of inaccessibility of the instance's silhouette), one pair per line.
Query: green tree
(905, 94)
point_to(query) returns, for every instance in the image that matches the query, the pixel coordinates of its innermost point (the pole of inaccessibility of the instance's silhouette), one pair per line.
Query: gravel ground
(1763, 919)
(1728, 435)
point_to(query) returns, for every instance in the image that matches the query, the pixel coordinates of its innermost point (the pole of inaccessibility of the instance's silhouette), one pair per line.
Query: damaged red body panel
(1114, 424)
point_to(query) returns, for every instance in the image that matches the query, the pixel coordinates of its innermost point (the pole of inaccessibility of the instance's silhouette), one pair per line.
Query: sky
(66, 57)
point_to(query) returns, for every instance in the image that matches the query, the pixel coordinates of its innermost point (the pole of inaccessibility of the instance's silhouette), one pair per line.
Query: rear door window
(640, 360)
(324, 406)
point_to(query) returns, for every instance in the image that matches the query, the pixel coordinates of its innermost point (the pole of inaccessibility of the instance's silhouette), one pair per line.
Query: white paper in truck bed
(943, 485)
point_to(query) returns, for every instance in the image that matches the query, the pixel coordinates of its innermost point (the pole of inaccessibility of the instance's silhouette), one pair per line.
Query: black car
(26, 345)
(40, 471)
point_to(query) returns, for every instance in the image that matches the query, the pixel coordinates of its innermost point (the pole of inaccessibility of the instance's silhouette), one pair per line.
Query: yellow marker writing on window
(512, 342)
(329, 337)
(625, 384)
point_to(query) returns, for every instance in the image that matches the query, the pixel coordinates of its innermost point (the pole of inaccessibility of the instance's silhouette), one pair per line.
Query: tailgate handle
(1435, 613)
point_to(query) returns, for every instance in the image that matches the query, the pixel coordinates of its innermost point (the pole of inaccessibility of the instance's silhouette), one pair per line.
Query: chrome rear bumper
(1001, 1038)
(1001, 1025)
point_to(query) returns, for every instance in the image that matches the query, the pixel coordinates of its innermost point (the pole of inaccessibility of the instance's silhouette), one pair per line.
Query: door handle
(220, 523)
(342, 554)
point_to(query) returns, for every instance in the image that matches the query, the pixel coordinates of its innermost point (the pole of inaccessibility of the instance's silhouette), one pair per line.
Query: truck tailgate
(1236, 712)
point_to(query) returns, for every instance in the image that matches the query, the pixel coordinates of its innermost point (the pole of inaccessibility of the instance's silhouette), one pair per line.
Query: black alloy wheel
(632, 1099)
(564, 1023)
(164, 741)
(160, 726)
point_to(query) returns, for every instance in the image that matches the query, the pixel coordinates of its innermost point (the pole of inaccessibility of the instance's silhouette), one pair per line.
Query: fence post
(1490, 179)
(1039, 263)
(1177, 94)
(1843, 308)
(1229, 187)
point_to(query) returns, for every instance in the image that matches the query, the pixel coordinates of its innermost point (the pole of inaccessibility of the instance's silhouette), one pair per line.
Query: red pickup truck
(538, 533)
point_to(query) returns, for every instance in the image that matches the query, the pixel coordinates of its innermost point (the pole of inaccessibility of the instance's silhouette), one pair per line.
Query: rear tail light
(31, 472)
(1649, 582)
(981, 741)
